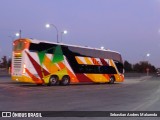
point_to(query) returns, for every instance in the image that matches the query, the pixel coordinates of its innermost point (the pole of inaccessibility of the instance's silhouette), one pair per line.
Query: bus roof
(87, 47)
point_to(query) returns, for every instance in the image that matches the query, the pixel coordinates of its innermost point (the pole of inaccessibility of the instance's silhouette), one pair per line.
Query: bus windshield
(119, 67)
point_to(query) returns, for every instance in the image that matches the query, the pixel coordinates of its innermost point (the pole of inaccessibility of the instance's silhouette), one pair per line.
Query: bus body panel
(34, 65)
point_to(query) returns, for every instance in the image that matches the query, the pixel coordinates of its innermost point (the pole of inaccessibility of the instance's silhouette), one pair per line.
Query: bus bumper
(22, 79)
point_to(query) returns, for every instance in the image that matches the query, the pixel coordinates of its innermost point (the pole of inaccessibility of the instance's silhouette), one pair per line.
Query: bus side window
(108, 70)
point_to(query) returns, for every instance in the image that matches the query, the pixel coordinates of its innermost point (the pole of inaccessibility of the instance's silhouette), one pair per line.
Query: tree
(143, 66)
(127, 66)
(137, 67)
(5, 63)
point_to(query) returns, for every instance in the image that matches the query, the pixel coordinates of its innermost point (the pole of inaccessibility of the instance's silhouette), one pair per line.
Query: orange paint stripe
(106, 76)
(61, 65)
(52, 68)
(72, 76)
(88, 61)
(79, 61)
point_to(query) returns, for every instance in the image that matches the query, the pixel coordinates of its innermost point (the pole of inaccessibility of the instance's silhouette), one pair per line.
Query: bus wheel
(53, 80)
(65, 80)
(112, 80)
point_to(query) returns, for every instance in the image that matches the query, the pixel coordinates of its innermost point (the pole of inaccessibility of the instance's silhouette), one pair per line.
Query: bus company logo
(6, 114)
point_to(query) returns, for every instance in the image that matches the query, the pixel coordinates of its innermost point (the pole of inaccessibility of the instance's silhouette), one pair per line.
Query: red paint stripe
(38, 68)
(34, 78)
(104, 62)
(83, 78)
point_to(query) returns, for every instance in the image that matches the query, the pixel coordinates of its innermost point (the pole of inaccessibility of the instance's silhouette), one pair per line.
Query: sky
(131, 27)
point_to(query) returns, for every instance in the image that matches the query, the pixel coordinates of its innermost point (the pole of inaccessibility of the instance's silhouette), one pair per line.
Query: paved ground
(135, 94)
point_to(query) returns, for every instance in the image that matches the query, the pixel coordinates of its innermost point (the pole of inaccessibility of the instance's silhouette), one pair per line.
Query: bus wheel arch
(65, 80)
(112, 80)
(53, 80)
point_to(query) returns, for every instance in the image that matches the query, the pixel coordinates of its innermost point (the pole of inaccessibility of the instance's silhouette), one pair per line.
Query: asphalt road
(135, 94)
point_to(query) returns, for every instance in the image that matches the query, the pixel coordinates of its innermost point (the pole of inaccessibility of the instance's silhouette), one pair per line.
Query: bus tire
(65, 80)
(112, 80)
(53, 80)
(39, 84)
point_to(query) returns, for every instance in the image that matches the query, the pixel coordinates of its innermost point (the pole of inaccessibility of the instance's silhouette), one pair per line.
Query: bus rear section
(18, 66)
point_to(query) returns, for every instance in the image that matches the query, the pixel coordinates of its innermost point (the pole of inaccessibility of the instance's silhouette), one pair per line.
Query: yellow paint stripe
(79, 61)
(88, 61)
(97, 78)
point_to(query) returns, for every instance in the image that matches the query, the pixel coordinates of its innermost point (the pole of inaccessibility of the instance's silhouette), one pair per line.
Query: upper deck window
(20, 45)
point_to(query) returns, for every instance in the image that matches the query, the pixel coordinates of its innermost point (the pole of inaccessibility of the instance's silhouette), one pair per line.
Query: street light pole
(48, 26)
(56, 30)
(20, 32)
(64, 32)
(147, 62)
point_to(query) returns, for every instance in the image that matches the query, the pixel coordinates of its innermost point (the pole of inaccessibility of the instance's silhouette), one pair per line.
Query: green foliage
(128, 66)
(143, 66)
(140, 67)
(4, 62)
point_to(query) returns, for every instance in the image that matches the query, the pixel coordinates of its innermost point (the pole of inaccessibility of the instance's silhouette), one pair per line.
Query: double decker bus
(49, 63)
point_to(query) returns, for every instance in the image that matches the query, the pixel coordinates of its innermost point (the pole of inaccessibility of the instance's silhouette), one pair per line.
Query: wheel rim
(111, 80)
(66, 80)
(53, 80)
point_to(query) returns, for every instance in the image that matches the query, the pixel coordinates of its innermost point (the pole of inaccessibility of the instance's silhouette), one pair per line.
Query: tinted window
(48, 48)
(108, 70)
(119, 66)
(96, 69)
